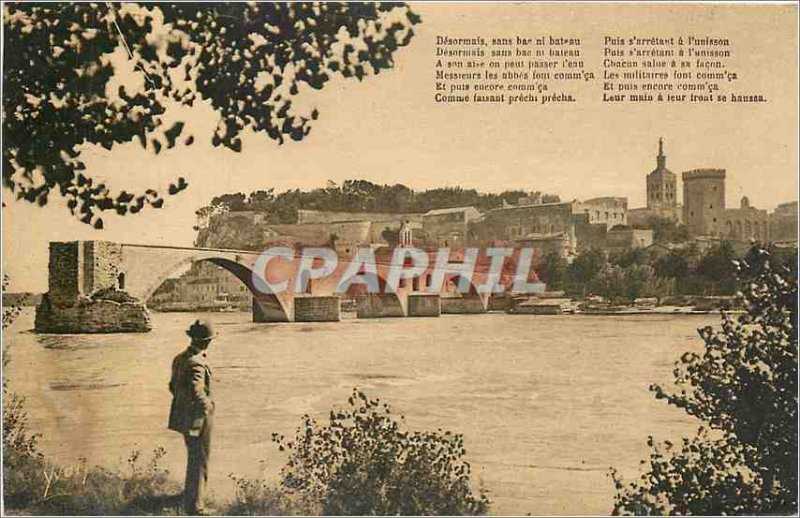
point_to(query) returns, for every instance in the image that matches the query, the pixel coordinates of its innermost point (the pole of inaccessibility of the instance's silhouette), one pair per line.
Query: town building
(204, 286)
(169, 292)
(783, 223)
(746, 223)
(564, 227)
(449, 227)
(610, 210)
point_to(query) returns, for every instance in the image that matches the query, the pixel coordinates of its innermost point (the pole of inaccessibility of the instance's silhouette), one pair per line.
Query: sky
(388, 129)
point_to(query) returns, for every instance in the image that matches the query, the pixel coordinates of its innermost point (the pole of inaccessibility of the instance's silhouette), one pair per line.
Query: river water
(546, 403)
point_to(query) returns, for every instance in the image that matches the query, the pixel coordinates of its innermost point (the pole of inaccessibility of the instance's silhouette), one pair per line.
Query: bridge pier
(317, 308)
(85, 293)
(424, 305)
(470, 304)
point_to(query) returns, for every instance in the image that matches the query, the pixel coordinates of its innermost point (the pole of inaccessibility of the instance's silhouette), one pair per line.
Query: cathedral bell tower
(661, 183)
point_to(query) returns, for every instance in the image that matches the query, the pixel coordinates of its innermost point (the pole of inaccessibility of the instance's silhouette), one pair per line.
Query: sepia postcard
(436, 258)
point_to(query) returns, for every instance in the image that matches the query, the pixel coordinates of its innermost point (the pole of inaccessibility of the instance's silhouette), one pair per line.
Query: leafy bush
(744, 386)
(23, 465)
(10, 313)
(364, 463)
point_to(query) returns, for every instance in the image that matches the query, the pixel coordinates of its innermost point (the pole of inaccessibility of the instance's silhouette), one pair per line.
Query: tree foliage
(630, 282)
(363, 196)
(10, 312)
(63, 89)
(717, 268)
(363, 462)
(553, 271)
(583, 269)
(743, 386)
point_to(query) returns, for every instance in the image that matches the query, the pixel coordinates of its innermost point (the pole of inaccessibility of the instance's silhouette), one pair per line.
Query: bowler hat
(200, 331)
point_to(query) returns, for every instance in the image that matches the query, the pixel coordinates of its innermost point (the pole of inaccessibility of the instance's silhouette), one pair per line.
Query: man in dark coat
(192, 413)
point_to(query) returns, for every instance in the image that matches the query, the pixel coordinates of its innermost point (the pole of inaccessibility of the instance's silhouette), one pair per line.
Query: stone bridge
(101, 286)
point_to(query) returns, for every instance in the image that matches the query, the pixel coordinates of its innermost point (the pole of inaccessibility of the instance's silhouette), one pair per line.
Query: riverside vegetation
(627, 275)
(363, 462)
(743, 388)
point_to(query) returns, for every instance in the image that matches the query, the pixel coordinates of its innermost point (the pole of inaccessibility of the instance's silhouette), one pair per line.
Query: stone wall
(324, 308)
(92, 316)
(101, 264)
(424, 305)
(511, 223)
(588, 235)
(65, 274)
(704, 201)
(324, 216)
(78, 268)
(625, 238)
(469, 304)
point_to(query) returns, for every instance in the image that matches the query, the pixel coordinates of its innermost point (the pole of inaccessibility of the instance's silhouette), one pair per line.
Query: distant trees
(583, 269)
(630, 282)
(62, 90)
(364, 196)
(552, 271)
(637, 272)
(744, 388)
(677, 263)
(234, 202)
(718, 270)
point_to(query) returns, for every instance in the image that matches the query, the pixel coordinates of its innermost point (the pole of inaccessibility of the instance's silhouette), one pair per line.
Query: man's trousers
(198, 450)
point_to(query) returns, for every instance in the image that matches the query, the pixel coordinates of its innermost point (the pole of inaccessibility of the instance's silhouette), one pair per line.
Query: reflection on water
(546, 403)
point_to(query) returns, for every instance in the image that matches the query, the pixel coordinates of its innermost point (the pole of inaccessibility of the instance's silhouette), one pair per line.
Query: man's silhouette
(192, 413)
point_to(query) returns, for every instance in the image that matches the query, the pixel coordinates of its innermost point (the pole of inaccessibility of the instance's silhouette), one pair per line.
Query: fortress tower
(661, 182)
(704, 201)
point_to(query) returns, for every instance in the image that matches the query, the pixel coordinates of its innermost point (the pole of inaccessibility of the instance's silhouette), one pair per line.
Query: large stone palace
(704, 210)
